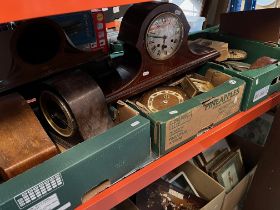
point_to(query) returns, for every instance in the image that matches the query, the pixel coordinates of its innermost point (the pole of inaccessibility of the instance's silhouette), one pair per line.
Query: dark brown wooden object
(138, 71)
(38, 48)
(74, 108)
(23, 141)
(264, 192)
(262, 25)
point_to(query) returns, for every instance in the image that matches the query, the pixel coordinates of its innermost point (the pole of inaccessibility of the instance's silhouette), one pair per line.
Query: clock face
(164, 36)
(163, 98)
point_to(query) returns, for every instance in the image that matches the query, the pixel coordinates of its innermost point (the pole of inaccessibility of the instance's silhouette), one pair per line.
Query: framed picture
(216, 160)
(182, 182)
(207, 158)
(230, 171)
(215, 150)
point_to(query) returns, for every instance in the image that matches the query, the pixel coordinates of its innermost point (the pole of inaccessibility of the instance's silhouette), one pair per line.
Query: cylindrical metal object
(74, 108)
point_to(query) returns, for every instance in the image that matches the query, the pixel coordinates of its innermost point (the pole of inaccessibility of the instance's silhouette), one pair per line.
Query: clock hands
(163, 46)
(159, 37)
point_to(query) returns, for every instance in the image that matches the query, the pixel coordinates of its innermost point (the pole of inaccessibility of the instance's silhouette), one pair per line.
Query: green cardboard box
(62, 181)
(261, 82)
(177, 125)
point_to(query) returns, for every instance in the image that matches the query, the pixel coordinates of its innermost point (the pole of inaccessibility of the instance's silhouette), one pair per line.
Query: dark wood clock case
(35, 49)
(137, 71)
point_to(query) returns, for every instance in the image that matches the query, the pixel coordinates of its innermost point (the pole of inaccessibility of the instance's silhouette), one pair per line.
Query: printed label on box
(261, 93)
(178, 129)
(49, 203)
(38, 191)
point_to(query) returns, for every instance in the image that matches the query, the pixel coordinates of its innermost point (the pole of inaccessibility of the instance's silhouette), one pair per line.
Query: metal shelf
(13, 10)
(142, 178)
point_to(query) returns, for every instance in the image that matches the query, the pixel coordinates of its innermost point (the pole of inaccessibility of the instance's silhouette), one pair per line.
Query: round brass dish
(163, 98)
(57, 114)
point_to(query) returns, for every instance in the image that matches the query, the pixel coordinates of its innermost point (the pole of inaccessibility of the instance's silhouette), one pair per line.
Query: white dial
(164, 36)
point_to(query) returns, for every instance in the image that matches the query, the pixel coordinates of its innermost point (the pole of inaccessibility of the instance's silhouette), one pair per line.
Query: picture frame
(208, 158)
(214, 151)
(216, 160)
(231, 171)
(182, 181)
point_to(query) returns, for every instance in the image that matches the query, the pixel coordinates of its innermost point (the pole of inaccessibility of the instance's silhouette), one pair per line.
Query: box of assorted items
(255, 62)
(187, 187)
(232, 163)
(182, 109)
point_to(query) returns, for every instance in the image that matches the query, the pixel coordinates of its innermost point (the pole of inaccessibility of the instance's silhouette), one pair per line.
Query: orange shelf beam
(13, 10)
(142, 178)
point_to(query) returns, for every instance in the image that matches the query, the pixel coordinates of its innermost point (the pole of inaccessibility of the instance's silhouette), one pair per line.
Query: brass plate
(163, 98)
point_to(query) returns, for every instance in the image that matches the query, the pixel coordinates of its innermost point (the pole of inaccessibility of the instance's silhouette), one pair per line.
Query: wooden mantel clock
(156, 47)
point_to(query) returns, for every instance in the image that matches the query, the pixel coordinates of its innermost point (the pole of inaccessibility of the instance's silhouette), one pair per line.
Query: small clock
(163, 98)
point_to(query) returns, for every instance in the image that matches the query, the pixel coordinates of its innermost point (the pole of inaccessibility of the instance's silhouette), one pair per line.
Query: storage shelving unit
(13, 10)
(142, 178)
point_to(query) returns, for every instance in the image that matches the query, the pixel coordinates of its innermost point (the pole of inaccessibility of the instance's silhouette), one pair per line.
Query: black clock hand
(164, 45)
(154, 36)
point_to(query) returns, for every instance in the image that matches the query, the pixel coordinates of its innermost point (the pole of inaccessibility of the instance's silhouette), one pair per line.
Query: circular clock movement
(163, 98)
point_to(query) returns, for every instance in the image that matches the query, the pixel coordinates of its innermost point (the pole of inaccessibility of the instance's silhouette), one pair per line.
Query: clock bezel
(180, 41)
